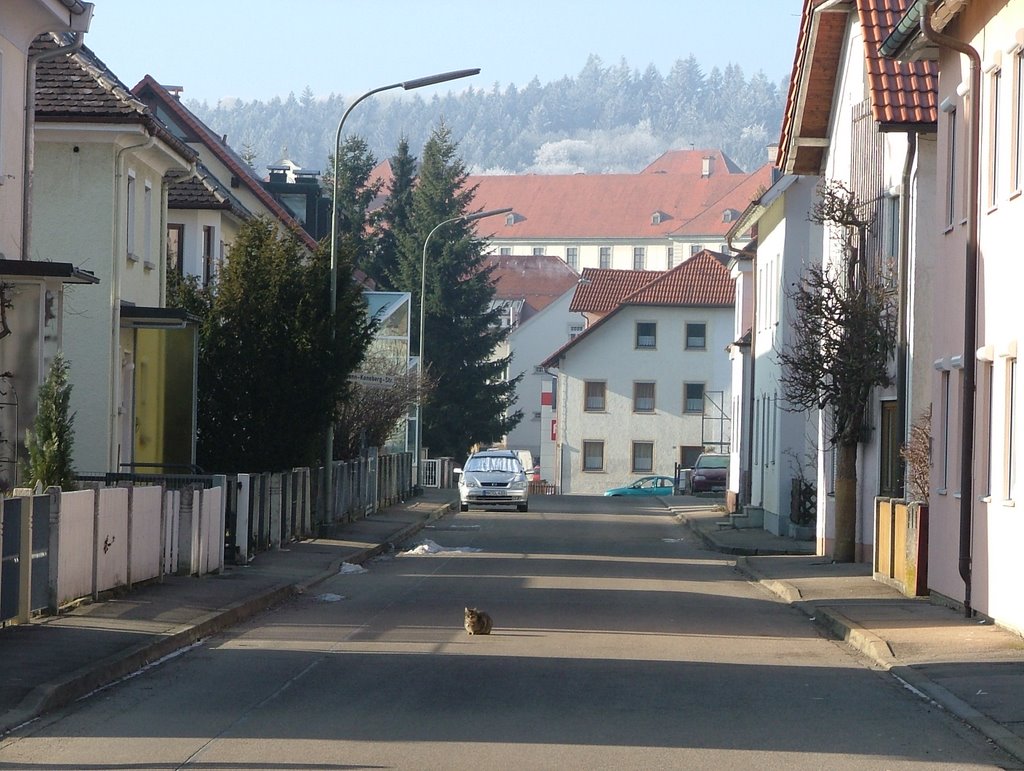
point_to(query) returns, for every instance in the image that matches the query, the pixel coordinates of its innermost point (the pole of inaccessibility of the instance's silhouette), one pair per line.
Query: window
(696, 336)
(505, 251)
(945, 436)
(951, 163)
(988, 389)
(643, 457)
(1010, 440)
(538, 251)
(574, 330)
(176, 249)
(695, 249)
(1018, 120)
(639, 258)
(593, 456)
(130, 216)
(605, 257)
(688, 455)
(670, 257)
(147, 223)
(207, 254)
(889, 482)
(646, 334)
(693, 397)
(572, 257)
(643, 397)
(994, 158)
(890, 237)
(594, 396)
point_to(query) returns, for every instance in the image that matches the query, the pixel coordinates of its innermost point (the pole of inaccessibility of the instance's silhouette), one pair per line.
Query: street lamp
(408, 85)
(423, 316)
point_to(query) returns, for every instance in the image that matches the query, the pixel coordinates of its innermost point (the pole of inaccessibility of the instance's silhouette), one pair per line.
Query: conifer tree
(269, 375)
(50, 442)
(471, 399)
(395, 217)
(355, 195)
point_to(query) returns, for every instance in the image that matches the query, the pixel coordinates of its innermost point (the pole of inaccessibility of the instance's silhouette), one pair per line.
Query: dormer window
(658, 217)
(511, 218)
(730, 215)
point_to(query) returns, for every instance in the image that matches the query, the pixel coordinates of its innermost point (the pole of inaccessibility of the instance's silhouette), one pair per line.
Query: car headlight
(518, 484)
(469, 481)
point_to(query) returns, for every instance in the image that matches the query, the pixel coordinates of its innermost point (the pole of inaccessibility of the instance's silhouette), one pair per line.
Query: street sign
(369, 380)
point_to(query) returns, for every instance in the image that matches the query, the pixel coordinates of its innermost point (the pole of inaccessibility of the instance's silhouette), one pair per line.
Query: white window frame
(129, 215)
(604, 257)
(639, 258)
(572, 257)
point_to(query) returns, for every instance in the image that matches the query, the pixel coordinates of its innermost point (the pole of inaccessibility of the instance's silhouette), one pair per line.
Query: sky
(259, 49)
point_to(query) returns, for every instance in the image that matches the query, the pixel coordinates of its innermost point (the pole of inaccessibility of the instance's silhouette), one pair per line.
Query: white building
(646, 385)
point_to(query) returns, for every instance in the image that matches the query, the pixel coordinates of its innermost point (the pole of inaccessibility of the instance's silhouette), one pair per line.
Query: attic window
(511, 218)
(729, 215)
(658, 217)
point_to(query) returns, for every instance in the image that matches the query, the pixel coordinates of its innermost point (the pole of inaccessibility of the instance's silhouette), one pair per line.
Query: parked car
(493, 478)
(656, 485)
(710, 473)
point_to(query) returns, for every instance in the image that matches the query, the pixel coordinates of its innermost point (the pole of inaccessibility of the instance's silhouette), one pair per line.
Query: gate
(430, 473)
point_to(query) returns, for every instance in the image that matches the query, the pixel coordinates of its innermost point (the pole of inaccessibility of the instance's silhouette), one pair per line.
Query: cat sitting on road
(477, 622)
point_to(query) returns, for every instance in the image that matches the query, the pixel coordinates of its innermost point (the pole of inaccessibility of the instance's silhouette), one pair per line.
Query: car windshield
(494, 463)
(713, 461)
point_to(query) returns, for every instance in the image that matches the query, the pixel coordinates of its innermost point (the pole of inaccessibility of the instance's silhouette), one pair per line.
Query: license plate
(494, 492)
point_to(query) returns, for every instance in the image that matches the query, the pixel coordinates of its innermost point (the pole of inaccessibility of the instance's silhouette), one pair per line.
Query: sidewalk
(969, 667)
(53, 661)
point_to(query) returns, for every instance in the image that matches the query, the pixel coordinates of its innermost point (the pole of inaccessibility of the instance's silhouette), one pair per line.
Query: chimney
(705, 170)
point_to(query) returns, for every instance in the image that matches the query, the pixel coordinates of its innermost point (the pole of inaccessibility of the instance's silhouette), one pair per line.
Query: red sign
(554, 430)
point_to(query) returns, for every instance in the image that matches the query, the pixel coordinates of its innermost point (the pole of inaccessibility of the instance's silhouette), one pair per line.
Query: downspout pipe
(29, 162)
(970, 296)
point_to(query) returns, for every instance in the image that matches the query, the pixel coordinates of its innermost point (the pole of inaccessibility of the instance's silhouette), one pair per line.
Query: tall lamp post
(423, 316)
(408, 85)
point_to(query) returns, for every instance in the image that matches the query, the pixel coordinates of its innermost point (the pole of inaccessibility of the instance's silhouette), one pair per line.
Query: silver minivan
(493, 478)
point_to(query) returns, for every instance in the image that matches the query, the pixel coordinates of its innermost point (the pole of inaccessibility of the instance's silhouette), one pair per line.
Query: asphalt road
(617, 643)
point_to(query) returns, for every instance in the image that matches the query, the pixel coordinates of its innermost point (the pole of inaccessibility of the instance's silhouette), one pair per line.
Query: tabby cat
(477, 622)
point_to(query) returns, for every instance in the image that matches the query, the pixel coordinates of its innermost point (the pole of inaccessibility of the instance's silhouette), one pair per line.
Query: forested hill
(605, 119)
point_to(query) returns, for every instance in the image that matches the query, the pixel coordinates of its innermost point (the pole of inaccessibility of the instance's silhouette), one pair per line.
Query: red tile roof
(692, 162)
(602, 289)
(617, 205)
(901, 92)
(701, 280)
(538, 280)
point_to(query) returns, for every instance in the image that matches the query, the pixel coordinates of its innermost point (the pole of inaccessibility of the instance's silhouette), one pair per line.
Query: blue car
(646, 486)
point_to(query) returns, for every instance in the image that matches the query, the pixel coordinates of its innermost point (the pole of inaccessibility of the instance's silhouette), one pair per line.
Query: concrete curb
(50, 696)
(54, 695)
(1002, 737)
(875, 648)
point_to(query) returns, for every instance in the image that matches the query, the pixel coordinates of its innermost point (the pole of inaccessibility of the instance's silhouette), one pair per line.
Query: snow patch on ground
(329, 597)
(349, 568)
(429, 547)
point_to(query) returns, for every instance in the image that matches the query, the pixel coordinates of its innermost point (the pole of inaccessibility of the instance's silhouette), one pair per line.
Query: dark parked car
(710, 473)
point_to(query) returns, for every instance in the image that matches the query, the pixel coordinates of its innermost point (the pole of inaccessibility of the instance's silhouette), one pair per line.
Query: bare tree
(371, 414)
(843, 338)
(917, 453)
